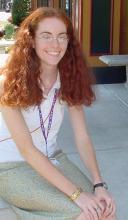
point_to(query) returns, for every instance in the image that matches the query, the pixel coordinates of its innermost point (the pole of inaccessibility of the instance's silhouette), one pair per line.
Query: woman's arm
(21, 136)
(88, 156)
(83, 142)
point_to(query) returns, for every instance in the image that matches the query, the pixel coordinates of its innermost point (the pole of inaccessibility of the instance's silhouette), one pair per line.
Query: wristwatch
(102, 184)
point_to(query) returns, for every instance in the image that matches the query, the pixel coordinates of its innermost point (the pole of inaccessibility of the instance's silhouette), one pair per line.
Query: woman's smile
(53, 53)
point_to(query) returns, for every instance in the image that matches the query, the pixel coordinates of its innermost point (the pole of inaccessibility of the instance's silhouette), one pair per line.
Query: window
(42, 3)
(66, 5)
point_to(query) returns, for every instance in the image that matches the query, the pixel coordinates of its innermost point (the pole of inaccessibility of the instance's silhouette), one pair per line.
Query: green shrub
(20, 10)
(9, 31)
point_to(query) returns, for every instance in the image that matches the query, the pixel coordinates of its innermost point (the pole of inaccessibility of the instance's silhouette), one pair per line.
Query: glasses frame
(47, 37)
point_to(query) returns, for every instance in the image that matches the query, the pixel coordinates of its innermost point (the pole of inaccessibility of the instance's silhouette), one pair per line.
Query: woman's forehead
(52, 25)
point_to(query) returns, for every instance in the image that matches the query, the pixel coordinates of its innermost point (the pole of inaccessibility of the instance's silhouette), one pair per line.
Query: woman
(45, 71)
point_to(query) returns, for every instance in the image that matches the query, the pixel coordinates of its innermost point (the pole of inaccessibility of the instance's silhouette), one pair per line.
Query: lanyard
(50, 117)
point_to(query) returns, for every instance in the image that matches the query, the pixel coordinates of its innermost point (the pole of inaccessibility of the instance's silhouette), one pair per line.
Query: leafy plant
(20, 10)
(9, 31)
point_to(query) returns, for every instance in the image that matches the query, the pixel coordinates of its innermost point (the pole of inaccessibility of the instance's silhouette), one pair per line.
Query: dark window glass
(101, 26)
(42, 3)
(66, 5)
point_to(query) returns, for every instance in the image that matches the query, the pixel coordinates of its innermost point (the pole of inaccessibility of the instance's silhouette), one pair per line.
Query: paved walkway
(108, 126)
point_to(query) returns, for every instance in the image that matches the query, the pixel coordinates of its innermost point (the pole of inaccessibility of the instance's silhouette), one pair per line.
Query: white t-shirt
(8, 149)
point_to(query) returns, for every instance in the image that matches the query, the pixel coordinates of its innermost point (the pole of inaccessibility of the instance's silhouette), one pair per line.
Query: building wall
(124, 28)
(33, 4)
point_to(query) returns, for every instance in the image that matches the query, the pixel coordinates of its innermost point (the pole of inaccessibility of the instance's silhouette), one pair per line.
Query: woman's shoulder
(2, 80)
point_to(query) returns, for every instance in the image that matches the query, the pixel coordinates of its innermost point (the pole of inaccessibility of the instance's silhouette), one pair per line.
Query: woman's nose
(55, 42)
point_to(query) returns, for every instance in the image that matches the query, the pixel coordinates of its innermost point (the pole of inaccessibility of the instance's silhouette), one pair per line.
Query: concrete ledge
(115, 60)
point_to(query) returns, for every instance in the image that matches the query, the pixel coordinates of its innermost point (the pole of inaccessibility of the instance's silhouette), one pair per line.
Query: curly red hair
(21, 86)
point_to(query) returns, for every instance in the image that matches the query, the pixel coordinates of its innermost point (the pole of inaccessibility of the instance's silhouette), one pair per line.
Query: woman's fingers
(110, 208)
(91, 205)
(95, 211)
(91, 215)
(98, 211)
(88, 215)
(99, 208)
(114, 208)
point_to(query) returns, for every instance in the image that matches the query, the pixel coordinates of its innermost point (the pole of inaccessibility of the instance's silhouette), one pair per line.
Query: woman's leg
(32, 197)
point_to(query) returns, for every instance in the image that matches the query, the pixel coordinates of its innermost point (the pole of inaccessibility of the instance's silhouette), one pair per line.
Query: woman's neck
(48, 77)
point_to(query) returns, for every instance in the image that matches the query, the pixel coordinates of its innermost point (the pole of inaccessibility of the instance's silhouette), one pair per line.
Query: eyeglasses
(48, 38)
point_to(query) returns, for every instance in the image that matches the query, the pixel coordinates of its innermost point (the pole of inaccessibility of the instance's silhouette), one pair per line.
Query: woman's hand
(91, 206)
(107, 201)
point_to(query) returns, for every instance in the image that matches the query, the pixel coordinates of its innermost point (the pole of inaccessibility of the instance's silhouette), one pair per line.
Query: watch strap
(102, 184)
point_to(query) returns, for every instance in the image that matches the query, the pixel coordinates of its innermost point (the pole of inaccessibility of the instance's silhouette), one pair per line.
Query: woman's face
(51, 41)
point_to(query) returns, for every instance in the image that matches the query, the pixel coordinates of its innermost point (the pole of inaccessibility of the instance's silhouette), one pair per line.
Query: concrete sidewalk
(107, 121)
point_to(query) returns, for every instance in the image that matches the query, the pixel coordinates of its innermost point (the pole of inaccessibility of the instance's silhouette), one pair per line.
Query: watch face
(105, 186)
